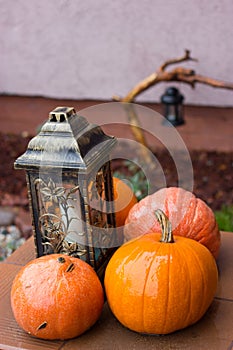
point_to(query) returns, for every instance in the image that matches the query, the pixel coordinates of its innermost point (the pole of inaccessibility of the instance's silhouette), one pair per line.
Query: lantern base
(173, 122)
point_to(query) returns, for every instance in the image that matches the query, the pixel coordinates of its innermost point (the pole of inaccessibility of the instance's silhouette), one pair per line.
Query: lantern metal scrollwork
(68, 171)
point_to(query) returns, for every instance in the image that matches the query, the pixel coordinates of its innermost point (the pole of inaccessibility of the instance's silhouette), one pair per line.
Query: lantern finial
(61, 114)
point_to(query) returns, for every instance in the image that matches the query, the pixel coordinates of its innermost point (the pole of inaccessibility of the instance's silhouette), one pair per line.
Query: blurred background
(92, 49)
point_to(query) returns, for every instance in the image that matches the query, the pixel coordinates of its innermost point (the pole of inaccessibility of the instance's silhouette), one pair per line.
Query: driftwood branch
(185, 57)
(178, 74)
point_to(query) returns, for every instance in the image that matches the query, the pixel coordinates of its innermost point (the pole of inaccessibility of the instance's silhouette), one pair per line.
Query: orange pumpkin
(189, 215)
(124, 200)
(56, 297)
(158, 286)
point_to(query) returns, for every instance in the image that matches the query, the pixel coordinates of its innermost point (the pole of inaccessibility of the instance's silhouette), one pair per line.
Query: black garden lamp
(172, 101)
(68, 171)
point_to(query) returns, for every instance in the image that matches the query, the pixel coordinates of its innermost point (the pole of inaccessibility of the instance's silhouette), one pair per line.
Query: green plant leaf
(224, 218)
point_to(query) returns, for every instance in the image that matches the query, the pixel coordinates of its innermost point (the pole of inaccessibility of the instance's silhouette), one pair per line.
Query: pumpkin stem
(167, 236)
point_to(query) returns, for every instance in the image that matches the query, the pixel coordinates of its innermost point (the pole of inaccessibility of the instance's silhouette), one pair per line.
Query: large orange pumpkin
(190, 217)
(124, 200)
(56, 297)
(158, 286)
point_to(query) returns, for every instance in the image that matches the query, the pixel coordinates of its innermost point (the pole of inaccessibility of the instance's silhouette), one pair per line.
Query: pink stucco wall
(98, 48)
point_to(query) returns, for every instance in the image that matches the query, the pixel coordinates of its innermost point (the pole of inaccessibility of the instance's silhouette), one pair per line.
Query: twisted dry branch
(178, 74)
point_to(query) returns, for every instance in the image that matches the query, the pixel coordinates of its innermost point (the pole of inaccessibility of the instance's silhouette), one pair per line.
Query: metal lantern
(70, 188)
(172, 101)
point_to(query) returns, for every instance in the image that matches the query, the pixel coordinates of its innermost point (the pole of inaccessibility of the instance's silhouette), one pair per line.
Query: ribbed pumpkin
(159, 285)
(190, 217)
(56, 297)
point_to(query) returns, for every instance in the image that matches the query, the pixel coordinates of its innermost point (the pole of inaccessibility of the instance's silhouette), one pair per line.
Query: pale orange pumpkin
(56, 297)
(159, 285)
(190, 217)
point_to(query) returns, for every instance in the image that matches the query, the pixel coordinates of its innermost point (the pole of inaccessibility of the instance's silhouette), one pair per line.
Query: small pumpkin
(159, 285)
(56, 297)
(190, 217)
(124, 200)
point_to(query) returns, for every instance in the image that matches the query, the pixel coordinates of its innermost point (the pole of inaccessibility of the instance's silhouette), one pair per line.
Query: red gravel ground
(213, 174)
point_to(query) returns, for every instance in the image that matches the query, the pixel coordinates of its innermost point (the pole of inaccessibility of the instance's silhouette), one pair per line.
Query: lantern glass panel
(171, 112)
(60, 219)
(101, 213)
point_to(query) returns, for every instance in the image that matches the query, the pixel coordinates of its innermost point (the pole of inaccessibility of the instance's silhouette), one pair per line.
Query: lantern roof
(67, 141)
(172, 96)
